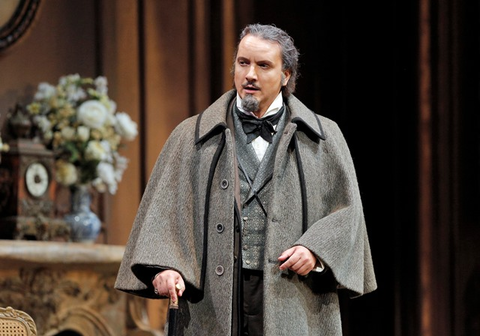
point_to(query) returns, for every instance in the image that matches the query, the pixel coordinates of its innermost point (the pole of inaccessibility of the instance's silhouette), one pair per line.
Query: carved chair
(15, 322)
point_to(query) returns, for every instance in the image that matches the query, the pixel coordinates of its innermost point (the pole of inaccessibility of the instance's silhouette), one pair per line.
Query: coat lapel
(213, 119)
(260, 172)
(307, 121)
(265, 170)
(299, 119)
(247, 159)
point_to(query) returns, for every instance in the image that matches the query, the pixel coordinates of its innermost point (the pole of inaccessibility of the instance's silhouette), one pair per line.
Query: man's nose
(251, 74)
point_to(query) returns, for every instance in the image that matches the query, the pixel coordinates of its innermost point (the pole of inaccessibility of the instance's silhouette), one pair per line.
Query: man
(252, 212)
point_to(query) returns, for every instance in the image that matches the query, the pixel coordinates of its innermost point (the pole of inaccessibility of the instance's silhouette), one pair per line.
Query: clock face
(37, 179)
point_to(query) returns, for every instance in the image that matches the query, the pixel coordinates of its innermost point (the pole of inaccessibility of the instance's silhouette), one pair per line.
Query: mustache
(250, 85)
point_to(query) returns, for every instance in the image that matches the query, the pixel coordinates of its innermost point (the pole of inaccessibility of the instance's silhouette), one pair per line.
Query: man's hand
(169, 283)
(299, 259)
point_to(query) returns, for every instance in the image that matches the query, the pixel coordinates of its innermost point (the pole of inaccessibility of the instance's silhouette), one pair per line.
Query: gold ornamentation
(19, 317)
(56, 298)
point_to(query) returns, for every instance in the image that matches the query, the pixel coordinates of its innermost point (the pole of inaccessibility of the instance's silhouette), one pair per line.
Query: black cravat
(254, 127)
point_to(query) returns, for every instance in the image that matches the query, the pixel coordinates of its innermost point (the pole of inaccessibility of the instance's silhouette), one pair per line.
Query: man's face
(258, 71)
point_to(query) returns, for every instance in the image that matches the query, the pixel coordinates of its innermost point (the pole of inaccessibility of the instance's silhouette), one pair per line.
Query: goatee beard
(250, 104)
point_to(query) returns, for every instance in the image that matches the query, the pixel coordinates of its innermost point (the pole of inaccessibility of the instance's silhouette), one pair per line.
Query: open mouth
(250, 88)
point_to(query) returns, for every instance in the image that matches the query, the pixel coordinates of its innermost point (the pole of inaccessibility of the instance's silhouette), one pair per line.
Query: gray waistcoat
(259, 173)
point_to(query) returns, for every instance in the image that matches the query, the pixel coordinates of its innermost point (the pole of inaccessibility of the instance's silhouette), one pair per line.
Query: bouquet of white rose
(78, 121)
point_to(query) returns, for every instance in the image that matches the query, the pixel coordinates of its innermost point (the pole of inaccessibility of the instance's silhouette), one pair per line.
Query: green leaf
(88, 170)
(71, 148)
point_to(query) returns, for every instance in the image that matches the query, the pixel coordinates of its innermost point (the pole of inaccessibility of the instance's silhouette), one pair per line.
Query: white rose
(43, 123)
(92, 113)
(83, 133)
(66, 173)
(95, 151)
(125, 126)
(111, 120)
(75, 93)
(48, 135)
(45, 91)
(68, 133)
(106, 173)
(121, 164)
(107, 149)
(99, 185)
(101, 84)
(113, 106)
(64, 80)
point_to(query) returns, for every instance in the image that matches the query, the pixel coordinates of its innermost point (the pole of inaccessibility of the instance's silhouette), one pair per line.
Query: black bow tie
(254, 127)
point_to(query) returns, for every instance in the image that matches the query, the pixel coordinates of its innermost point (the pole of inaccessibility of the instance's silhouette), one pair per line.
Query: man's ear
(286, 77)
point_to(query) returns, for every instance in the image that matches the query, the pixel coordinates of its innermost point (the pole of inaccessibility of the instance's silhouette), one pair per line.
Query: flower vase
(84, 223)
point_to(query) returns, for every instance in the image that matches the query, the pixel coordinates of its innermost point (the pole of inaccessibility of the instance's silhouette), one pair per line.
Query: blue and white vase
(84, 223)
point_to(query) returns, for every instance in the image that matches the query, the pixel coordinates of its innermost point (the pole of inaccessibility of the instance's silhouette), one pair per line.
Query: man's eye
(263, 66)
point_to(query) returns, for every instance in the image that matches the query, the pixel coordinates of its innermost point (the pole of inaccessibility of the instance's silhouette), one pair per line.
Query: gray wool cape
(185, 222)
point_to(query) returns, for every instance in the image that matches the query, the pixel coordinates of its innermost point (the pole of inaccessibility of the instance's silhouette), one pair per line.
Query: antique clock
(28, 188)
(37, 179)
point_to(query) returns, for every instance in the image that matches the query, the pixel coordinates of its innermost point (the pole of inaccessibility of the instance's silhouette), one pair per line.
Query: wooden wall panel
(200, 46)
(229, 41)
(166, 72)
(425, 171)
(61, 41)
(119, 62)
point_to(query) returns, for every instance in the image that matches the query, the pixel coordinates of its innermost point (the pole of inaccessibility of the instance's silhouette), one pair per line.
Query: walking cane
(172, 314)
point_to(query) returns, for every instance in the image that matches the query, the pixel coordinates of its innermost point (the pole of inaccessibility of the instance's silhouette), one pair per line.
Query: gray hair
(290, 53)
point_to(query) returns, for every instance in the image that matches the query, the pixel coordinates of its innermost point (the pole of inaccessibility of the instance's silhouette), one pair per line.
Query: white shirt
(259, 144)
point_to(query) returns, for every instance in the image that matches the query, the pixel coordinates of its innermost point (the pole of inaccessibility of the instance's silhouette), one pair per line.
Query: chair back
(15, 322)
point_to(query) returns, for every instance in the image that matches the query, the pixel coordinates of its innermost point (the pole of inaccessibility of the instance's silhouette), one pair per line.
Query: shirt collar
(213, 119)
(272, 109)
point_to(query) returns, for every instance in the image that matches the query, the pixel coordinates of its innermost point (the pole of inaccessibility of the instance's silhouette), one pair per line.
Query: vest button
(220, 228)
(247, 262)
(224, 184)
(219, 270)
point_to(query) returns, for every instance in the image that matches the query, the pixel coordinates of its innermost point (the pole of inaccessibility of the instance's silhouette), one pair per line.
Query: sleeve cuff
(319, 267)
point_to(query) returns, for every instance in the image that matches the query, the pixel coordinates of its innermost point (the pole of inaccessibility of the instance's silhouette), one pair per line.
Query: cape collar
(214, 119)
